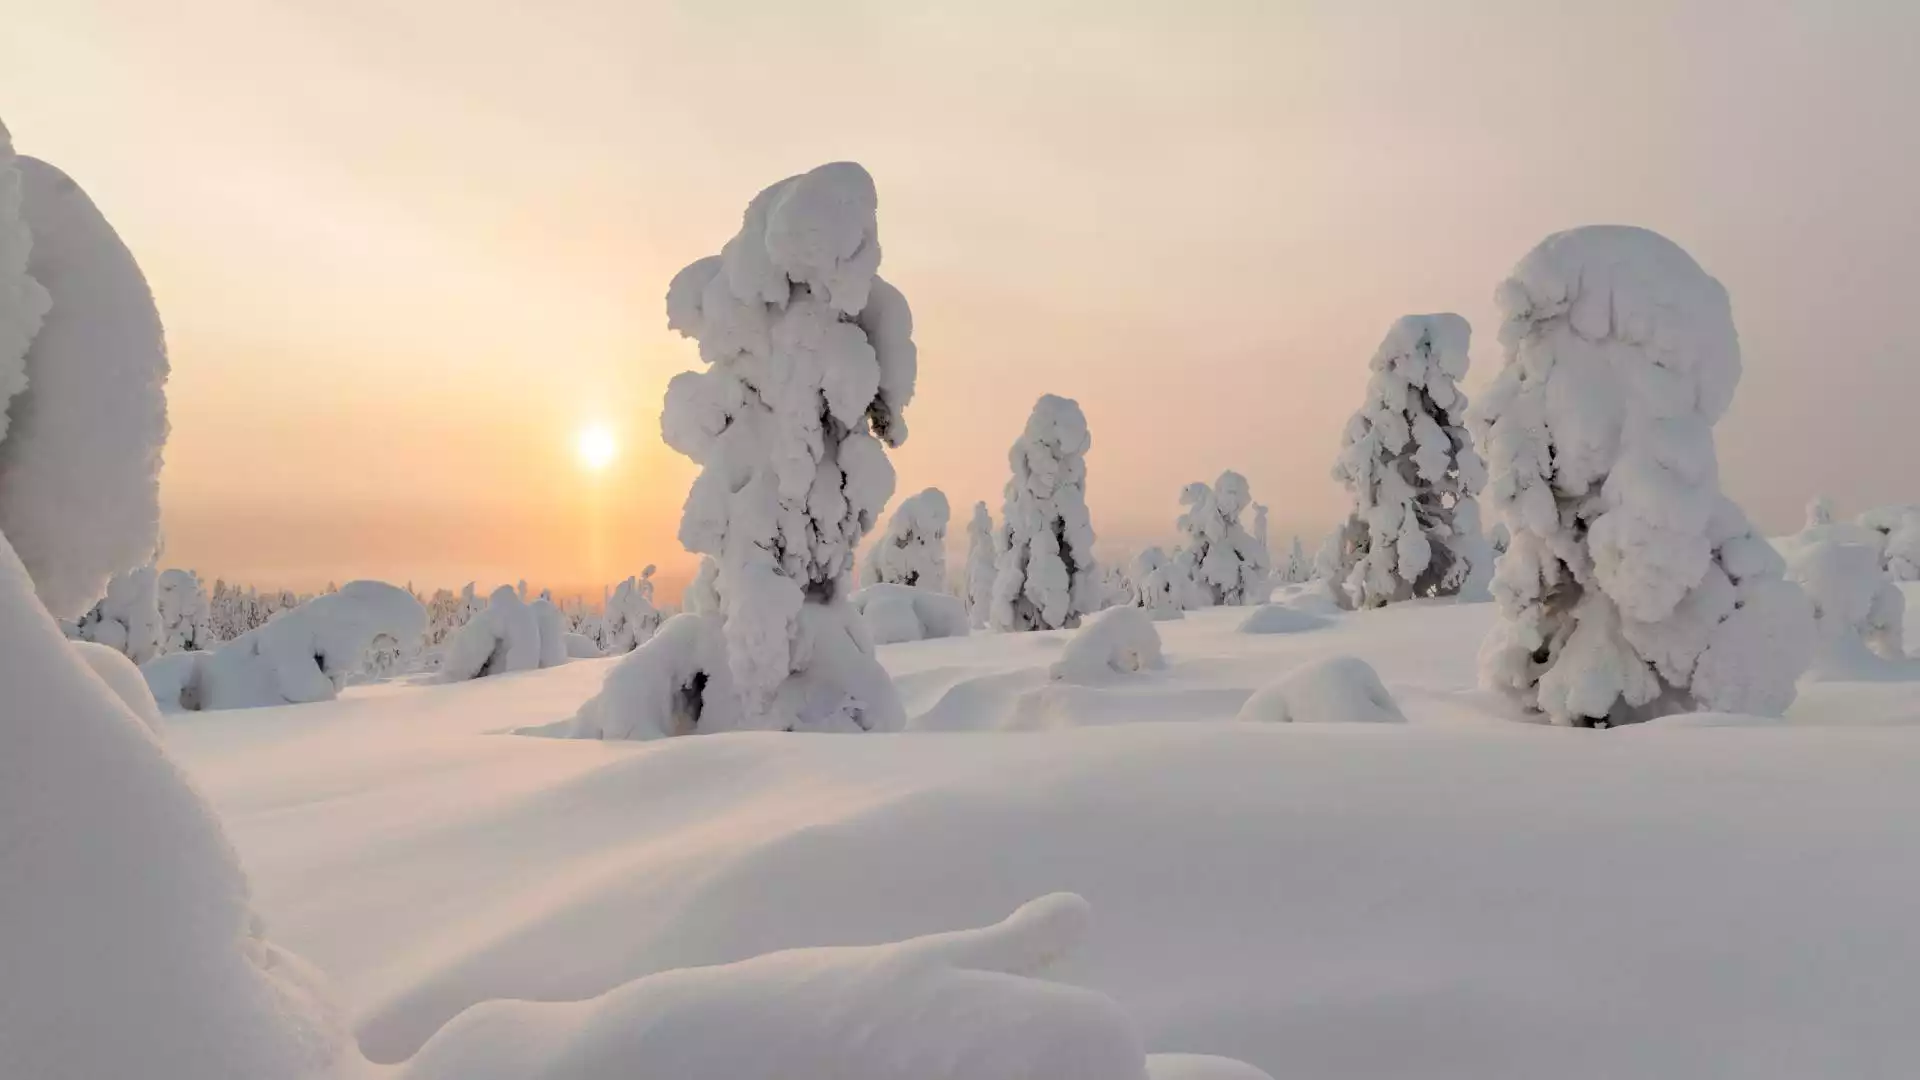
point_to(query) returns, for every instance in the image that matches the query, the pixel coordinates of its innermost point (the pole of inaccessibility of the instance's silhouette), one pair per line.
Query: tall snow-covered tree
(810, 364)
(1409, 466)
(1046, 577)
(186, 617)
(1223, 564)
(982, 557)
(1299, 567)
(1631, 587)
(913, 548)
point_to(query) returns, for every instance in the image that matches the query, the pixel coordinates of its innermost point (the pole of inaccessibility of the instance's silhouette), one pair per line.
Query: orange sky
(406, 250)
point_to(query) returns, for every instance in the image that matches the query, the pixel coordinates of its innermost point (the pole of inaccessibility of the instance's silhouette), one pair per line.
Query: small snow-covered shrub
(1047, 578)
(629, 617)
(1631, 587)
(675, 683)
(1860, 613)
(895, 613)
(582, 647)
(1120, 639)
(128, 617)
(913, 549)
(308, 654)
(1896, 530)
(1280, 619)
(1221, 563)
(1412, 472)
(502, 637)
(982, 558)
(810, 366)
(1299, 568)
(185, 617)
(1336, 690)
(1159, 586)
(123, 678)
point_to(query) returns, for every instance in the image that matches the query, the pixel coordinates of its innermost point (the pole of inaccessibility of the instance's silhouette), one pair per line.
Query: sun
(596, 447)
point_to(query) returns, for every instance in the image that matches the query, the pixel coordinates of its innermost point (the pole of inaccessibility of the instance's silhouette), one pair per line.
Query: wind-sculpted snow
(1631, 587)
(1047, 577)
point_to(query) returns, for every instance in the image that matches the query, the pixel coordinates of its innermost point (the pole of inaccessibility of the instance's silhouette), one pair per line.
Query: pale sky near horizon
(406, 250)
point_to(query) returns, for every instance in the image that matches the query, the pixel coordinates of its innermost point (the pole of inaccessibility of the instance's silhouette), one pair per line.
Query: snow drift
(1336, 690)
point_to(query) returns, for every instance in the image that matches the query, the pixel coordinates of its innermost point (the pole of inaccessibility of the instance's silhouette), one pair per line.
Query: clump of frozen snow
(1860, 613)
(1280, 619)
(185, 616)
(1631, 587)
(128, 617)
(122, 677)
(1408, 464)
(1336, 690)
(80, 457)
(895, 613)
(1118, 640)
(504, 636)
(1221, 563)
(1046, 576)
(810, 364)
(913, 548)
(982, 558)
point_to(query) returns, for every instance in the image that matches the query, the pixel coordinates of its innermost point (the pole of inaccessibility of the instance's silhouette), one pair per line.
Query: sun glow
(596, 447)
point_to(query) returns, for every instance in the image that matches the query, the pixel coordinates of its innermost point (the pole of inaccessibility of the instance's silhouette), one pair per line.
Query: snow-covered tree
(1046, 577)
(186, 617)
(1223, 564)
(127, 619)
(1631, 587)
(629, 616)
(500, 638)
(1299, 568)
(1819, 511)
(982, 559)
(810, 364)
(913, 548)
(1861, 614)
(1408, 464)
(1898, 529)
(1158, 583)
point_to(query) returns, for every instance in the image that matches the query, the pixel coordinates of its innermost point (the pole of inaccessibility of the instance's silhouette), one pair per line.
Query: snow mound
(675, 683)
(895, 613)
(1118, 640)
(1281, 619)
(582, 647)
(505, 636)
(1200, 1067)
(123, 677)
(1336, 690)
(80, 461)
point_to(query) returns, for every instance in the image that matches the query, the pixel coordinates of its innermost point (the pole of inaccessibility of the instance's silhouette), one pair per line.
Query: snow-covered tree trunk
(810, 364)
(1631, 586)
(982, 559)
(1411, 470)
(1223, 564)
(1046, 577)
(913, 548)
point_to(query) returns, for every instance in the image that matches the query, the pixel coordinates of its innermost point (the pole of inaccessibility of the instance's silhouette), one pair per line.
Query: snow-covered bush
(908, 613)
(1222, 563)
(1336, 690)
(128, 617)
(307, 654)
(185, 615)
(1159, 584)
(629, 617)
(678, 683)
(1898, 530)
(1118, 640)
(1411, 470)
(582, 647)
(1280, 619)
(1046, 576)
(1631, 587)
(502, 637)
(553, 632)
(1860, 613)
(982, 560)
(1299, 568)
(810, 364)
(913, 549)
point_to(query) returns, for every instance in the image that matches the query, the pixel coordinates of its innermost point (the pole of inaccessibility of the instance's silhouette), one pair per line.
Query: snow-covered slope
(1457, 896)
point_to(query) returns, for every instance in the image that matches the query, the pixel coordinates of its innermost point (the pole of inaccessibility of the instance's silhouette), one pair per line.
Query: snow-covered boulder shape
(1159, 585)
(810, 364)
(305, 655)
(913, 549)
(1410, 468)
(1046, 576)
(552, 626)
(1118, 640)
(1280, 619)
(1336, 690)
(1860, 613)
(1224, 565)
(502, 637)
(982, 559)
(965, 1005)
(895, 613)
(123, 678)
(128, 617)
(678, 683)
(185, 617)
(630, 616)
(1631, 587)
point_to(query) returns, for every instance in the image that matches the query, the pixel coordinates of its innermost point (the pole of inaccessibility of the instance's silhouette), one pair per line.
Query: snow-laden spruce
(913, 548)
(628, 617)
(1222, 564)
(1861, 614)
(127, 618)
(185, 615)
(982, 565)
(1046, 577)
(810, 364)
(1631, 587)
(1898, 531)
(1159, 585)
(503, 637)
(1410, 468)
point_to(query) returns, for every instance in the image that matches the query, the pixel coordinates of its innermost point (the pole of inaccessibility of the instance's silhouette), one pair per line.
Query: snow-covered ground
(1457, 896)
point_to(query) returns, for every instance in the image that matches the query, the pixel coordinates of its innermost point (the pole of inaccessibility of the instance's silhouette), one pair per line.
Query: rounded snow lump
(1336, 690)
(1276, 619)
